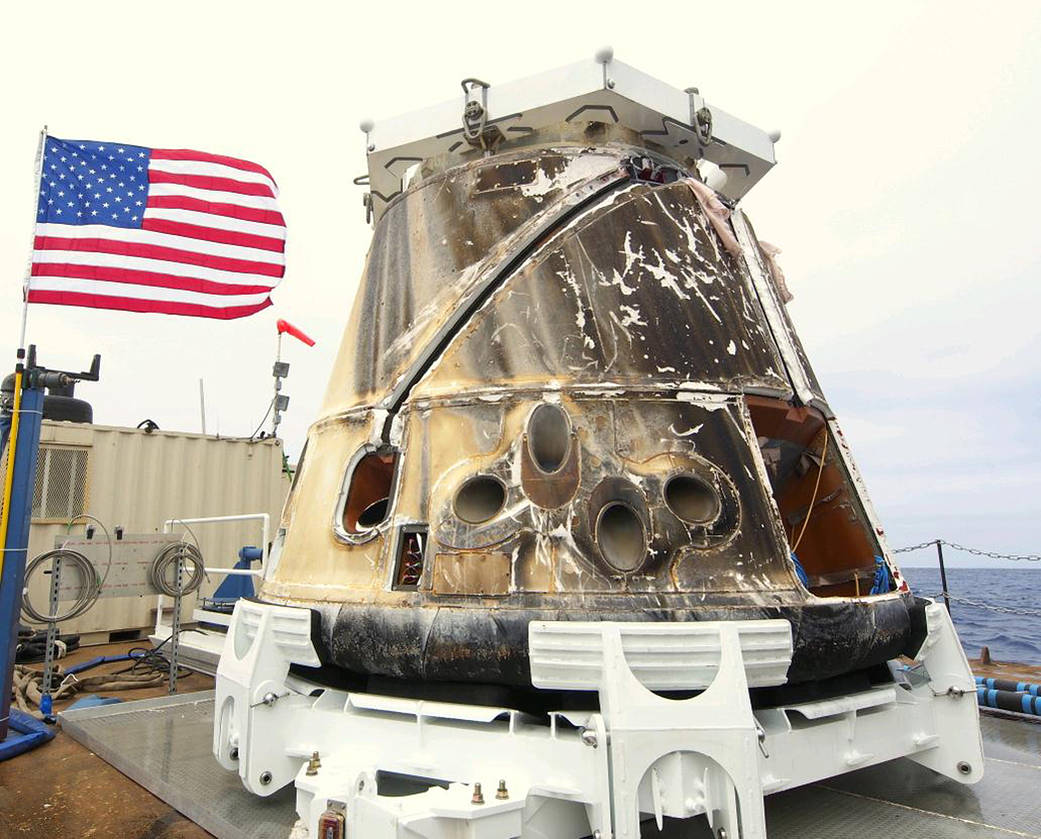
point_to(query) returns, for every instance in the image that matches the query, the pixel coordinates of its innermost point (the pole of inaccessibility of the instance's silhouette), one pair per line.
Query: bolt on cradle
(576, 523)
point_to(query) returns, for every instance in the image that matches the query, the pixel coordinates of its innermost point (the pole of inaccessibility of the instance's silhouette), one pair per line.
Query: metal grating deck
(164, 745)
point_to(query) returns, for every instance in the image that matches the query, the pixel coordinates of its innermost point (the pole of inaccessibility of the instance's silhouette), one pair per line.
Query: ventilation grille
(61, 483)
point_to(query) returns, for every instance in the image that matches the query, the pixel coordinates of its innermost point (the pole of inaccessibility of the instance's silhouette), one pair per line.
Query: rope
(149, 667)
(932, 543)
(27, 685)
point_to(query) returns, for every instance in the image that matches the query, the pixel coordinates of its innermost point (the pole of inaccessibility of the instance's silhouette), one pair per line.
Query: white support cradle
(579, 774)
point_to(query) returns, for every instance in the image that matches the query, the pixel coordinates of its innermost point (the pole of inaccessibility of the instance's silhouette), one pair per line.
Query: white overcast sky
(905, 199)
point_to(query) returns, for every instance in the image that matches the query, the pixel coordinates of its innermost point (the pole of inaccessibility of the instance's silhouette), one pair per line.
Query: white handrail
(265, 518)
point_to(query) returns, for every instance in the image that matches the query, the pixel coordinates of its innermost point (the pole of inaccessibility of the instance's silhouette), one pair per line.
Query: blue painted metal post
(17, 543)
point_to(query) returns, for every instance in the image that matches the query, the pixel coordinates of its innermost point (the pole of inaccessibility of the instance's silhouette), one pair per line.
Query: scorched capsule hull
(569, 390)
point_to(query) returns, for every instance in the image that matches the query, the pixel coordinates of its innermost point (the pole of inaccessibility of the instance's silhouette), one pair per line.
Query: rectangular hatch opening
(823, 518)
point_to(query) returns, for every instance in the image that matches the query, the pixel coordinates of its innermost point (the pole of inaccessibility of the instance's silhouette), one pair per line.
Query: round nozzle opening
(480, 499)
(620, 536)
(692, 499)
(549, 437)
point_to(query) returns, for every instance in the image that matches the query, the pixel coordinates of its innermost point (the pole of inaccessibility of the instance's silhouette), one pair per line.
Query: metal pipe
(235, 572)
(19, 512)
(9, 475)
(275, 419)
(40, 152)
(202, 406)
(263, 517)
(943, 575)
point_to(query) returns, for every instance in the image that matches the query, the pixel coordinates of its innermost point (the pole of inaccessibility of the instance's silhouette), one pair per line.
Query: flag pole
(28, 267)
(275, 419)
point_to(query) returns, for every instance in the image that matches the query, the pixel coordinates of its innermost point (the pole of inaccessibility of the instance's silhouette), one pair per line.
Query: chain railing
(917, 547)
(990, 607)
(1007, 610)
(973, 551)
(945, 592)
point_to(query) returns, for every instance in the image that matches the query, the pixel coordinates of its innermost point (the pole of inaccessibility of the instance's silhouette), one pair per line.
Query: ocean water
(1011, 637)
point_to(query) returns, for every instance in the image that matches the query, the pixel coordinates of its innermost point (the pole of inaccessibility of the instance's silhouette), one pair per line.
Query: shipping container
(138, 479)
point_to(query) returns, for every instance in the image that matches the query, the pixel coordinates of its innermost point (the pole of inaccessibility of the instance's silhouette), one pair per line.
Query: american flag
(155, 230)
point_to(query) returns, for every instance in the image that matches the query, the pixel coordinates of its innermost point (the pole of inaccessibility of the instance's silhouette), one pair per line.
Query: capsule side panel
(638, 293)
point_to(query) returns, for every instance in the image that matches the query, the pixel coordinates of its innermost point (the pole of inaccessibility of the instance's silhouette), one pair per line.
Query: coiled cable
(163, 569)
(88, 594)
(92, 581)
(152, 660)
(168, 557)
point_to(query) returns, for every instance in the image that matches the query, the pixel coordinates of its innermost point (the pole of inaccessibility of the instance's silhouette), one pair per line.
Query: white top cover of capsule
(600, 89)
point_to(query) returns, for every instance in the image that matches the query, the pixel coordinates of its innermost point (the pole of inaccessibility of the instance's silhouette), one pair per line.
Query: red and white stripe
(211, 244)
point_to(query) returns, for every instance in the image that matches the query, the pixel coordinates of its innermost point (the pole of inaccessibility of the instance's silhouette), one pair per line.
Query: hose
(168, 557)
(1019, 702)
(1007, 684)
(148, 667)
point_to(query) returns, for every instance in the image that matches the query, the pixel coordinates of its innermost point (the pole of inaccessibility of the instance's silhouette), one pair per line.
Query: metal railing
(945, 590)
(175, 622)
(265, 520)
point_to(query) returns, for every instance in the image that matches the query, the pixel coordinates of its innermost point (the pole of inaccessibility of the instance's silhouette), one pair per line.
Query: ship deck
(74, 786)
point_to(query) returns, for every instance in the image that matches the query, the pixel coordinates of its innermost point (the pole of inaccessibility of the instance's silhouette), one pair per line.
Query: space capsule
(569, 390)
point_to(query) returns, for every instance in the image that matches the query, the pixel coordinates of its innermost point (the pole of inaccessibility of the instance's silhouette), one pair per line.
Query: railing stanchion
(943, 576)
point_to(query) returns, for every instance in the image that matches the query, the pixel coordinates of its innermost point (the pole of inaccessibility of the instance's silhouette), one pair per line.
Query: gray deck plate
(164, 745)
